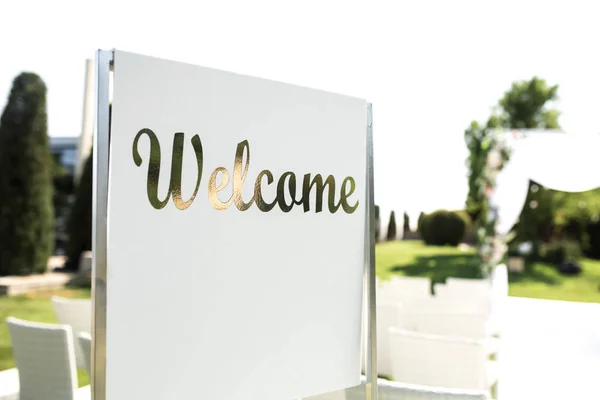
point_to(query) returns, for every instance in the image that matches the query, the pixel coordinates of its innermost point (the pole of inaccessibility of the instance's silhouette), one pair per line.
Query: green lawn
(541, 281)
(33, 307)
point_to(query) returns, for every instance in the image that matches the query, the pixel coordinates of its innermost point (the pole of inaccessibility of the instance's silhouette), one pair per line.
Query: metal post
(104, 60)
(371, 344)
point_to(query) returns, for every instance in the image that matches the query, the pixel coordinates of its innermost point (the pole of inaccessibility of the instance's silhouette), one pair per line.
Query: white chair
(434, 360)
(77, 313)
(472, 287)
(433, 304)
(455, 324)
(458, 325)
(85, 342)
(45, 360)
(472, 297)
(387, 317)
(405, 315)
(402, 288)
(9, 384)
(389, 390)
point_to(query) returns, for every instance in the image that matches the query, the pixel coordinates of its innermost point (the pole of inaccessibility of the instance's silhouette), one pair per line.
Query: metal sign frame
(101, 163)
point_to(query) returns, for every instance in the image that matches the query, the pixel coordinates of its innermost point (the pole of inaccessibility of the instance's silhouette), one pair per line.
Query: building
(65, 148)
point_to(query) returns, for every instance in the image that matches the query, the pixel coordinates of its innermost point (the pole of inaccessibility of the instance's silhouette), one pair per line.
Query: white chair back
(435, 360)
(77, 313)
(389, 390)
(481, 287)
(85, 342)
(453, 324)
(432, 304)
(45, 360)
(387, 317)
(465, 297)
(402, 288)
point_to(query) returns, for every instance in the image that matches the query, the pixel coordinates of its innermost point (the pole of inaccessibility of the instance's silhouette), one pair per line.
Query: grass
(541, 281)
(33, 307)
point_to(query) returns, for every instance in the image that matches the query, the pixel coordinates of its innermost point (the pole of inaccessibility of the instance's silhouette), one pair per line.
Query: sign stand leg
(371, 320)
(104, 61)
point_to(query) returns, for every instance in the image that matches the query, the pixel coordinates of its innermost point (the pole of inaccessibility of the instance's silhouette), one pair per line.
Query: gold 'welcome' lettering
(285, 189)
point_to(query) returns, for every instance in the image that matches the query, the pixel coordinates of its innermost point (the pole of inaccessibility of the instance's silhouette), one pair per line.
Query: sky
(428, 67)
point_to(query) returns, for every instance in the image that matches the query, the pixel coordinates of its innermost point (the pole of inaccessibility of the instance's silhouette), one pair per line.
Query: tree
(406, 226)
(391, 233)
(525, 106)
(63, 191)
(26, 198)
(420, 221)
(79, 226)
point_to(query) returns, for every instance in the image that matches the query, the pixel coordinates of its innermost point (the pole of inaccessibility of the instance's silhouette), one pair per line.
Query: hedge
(444, 227)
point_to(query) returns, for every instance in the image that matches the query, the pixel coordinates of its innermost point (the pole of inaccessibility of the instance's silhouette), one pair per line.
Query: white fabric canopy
(555, 160)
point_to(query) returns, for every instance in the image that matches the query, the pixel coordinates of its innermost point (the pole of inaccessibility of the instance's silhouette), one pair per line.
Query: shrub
(459, 224)
(444, 227)
(26, 199)
(391, 233)
(79, 226)
(559, 251)
(433, 225)
(470, 234)
(592, 234)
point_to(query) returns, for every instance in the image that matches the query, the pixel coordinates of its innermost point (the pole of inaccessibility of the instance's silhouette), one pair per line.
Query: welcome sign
(235, 236)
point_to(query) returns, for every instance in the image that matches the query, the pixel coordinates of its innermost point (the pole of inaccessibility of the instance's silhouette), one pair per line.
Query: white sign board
(235, 236)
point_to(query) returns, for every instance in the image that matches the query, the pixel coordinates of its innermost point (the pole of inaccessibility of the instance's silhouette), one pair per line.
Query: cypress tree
(406, 227)
(26, 195)
(420, 222)
(79, 226)
(391, 233)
